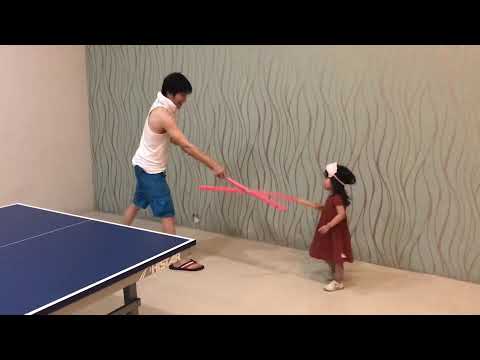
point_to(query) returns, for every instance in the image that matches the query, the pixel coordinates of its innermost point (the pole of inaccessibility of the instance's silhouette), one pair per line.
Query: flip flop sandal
(185, 266)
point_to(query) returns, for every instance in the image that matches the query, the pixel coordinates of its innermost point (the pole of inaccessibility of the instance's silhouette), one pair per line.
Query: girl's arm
(309, 204)
(341, 215)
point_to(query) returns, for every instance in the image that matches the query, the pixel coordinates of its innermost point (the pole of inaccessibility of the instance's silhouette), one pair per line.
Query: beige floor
(249, 277)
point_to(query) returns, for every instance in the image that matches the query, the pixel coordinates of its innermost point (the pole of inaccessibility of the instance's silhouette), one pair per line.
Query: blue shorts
(152, 190)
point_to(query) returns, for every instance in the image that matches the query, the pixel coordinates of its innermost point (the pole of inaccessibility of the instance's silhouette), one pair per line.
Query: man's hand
(219, 171)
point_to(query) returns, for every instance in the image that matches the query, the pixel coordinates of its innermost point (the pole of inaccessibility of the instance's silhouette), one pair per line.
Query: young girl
(332, 241)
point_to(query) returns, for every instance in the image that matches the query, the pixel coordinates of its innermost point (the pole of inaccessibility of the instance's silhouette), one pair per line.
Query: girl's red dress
(335, 246)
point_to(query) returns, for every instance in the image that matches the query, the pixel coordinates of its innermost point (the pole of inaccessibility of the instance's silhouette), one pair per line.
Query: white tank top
(152, 153)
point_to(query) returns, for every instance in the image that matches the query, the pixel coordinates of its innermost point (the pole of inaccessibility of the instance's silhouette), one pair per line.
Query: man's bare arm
(161, 121)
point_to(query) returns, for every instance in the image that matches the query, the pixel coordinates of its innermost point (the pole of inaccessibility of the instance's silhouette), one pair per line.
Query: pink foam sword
(257, 194)
(266, 197)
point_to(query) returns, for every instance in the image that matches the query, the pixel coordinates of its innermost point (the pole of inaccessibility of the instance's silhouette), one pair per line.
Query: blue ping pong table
(55, 263)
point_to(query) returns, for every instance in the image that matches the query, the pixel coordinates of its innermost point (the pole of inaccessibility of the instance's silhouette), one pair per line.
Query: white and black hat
(341, 173)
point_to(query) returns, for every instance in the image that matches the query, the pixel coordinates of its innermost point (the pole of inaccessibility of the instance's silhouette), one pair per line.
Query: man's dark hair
(176, 83)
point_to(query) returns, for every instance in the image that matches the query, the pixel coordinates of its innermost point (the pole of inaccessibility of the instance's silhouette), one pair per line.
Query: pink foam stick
(277, 195)
(283, 196)
(268, 201)
(219, 188)
(237, 184)
(258, 194)
(294, 199)
(263, 196)
(236, 190)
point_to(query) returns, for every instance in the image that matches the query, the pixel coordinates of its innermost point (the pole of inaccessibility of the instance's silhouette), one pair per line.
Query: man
(151, 158)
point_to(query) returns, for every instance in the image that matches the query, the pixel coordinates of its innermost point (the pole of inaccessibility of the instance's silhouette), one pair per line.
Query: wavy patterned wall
(404, 118)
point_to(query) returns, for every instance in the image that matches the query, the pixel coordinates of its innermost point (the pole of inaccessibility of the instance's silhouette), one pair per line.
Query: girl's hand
(319, 207)
(324, 229)
(309, 204)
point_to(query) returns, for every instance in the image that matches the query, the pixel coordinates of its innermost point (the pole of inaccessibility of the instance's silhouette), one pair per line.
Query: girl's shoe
(333, 286)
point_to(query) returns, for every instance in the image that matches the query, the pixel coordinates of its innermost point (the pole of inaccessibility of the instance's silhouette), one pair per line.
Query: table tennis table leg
(131, 300)
(129, 296)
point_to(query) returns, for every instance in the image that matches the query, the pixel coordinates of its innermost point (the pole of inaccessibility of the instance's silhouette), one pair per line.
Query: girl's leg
(337, 284)
(339, 272)
(331, 265)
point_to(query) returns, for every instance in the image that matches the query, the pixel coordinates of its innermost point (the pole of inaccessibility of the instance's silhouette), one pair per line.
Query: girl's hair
(347, 177)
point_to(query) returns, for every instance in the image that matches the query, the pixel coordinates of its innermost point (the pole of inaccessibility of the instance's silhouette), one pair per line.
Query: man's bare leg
(129, 215)
(168, 226)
